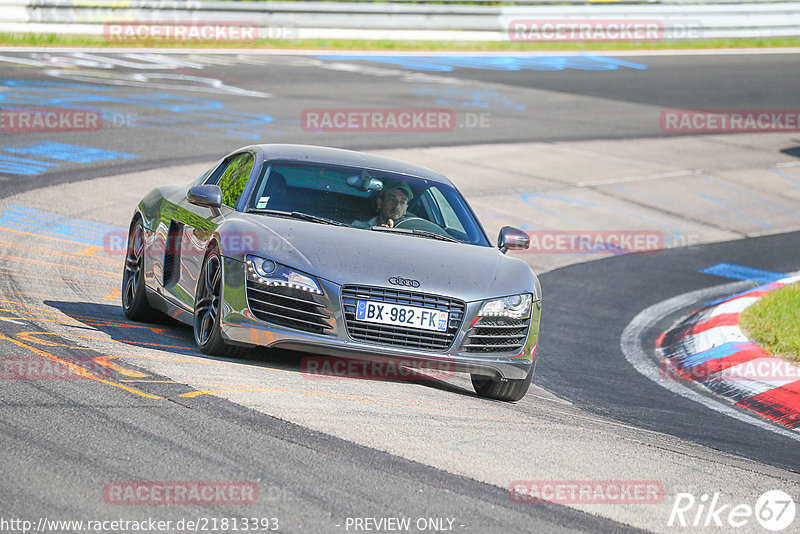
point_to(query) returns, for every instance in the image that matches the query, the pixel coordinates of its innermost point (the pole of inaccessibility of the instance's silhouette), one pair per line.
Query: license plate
(399, 315)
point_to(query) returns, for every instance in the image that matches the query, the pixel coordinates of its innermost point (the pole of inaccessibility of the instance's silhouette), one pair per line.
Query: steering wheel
(418, 223)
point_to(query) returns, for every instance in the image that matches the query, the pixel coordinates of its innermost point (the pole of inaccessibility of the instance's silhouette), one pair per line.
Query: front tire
(134, 299)
(208, 300)
(508, 390)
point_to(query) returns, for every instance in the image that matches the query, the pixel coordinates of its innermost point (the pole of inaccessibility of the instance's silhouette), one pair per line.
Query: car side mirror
(511, 238)
(209, 196)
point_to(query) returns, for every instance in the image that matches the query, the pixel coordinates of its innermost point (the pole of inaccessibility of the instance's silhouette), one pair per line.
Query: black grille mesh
(397, 335)
(287, 306)
(497, 335)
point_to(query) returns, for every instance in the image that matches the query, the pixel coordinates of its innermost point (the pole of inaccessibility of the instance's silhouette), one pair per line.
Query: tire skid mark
(25, 232)
(83, 319)
(32, 337)
(73, 268)
(76, 368)
(83, 256)
(24, 305)
(26, 293)
(17, 273)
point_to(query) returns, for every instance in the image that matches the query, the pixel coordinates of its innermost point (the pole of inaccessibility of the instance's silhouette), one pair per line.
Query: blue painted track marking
(528, 199)
(786, 177)
(24, 166)
(447, 63)
(452, 96)
(737, 213)
(751, 197)
(742, 272)
(720, 351)
(176, 113)
(660, 200)
(762, 287)
(52, 151)
(52, 225)
(71, 153)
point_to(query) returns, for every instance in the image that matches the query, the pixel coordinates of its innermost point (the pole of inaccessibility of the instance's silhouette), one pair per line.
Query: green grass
(774, 322)
(17, 39)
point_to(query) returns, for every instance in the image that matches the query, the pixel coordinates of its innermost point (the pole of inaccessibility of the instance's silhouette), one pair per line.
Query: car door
(163, 237)
(193, 227)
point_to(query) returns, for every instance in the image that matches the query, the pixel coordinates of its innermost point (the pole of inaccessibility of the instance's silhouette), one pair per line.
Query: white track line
(631, 344)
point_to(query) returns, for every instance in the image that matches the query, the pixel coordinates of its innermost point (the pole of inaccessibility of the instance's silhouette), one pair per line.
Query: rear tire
(134, 298)
(208, 300)
(508, 390)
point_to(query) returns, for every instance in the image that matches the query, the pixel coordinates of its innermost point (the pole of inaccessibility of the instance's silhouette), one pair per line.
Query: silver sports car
(337, 253)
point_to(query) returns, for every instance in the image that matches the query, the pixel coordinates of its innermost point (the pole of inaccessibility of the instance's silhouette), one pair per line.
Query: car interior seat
(277, 191)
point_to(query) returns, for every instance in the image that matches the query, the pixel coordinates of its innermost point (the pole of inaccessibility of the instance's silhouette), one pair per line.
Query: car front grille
(286, 306)
(400, 336)
(497, 335)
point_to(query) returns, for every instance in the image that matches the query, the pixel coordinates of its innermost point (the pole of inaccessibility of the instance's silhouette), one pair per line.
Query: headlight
(513, 307)
(271, 273)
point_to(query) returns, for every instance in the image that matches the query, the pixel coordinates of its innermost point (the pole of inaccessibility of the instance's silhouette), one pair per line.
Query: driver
(392, 205)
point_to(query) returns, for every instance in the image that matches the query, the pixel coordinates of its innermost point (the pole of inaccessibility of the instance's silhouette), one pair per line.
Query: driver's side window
(234, 178)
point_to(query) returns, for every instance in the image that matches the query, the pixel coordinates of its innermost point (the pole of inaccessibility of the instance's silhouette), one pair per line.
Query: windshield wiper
(298, 215)
(434, 235)
(316, 218)
(421, 233)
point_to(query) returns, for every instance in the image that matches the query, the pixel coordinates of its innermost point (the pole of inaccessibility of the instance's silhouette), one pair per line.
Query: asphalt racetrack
(548, 143)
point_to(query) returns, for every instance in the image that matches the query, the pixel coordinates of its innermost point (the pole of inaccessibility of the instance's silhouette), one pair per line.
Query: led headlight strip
(270, 273)
(512, 307)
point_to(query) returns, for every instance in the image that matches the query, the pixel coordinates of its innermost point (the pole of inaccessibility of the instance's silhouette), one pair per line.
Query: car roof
(349, 158)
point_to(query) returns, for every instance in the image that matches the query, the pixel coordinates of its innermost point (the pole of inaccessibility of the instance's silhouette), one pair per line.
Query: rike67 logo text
(774, 510)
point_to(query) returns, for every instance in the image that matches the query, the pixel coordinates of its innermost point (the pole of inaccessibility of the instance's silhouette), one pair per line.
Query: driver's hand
(388, 224)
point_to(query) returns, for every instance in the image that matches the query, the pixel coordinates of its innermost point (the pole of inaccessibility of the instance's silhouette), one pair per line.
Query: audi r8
(339, 253)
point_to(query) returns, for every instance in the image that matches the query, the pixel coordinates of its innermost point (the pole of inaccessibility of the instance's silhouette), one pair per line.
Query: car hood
(355, 256)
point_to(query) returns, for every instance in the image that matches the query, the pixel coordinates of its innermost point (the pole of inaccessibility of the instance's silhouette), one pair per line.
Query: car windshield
(363, 198)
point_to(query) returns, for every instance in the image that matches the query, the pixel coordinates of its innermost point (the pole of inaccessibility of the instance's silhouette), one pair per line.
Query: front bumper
(240, 326)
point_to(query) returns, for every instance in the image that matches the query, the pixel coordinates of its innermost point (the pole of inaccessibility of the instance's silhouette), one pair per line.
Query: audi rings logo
(408, 282)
